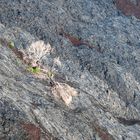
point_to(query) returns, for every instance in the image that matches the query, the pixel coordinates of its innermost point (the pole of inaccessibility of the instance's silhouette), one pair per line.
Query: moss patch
(34, 70)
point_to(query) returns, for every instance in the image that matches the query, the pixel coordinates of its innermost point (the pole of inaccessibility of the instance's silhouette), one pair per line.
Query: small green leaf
(34, 70)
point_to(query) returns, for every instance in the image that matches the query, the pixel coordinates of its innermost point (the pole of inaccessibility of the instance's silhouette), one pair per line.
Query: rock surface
(129, 7)
(106, 77)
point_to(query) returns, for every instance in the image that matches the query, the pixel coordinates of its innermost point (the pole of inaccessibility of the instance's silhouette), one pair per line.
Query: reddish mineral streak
(75, 41)
(33, 131)
(129, 8)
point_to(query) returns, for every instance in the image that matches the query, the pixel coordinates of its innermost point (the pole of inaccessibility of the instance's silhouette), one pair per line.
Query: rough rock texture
(107, 81)
(129, 7)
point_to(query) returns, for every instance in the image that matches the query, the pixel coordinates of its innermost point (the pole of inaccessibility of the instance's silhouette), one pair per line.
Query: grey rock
(108, 84)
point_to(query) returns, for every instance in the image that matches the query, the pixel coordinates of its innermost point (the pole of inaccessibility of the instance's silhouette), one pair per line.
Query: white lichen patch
(64, 92)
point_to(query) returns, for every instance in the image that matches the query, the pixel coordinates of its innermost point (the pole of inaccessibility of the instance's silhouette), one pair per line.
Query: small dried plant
(36, 51)
(64, 92)
(39, 49)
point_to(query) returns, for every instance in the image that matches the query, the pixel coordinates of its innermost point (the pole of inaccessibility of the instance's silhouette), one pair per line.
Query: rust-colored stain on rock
(33, 131)
(129, 8)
